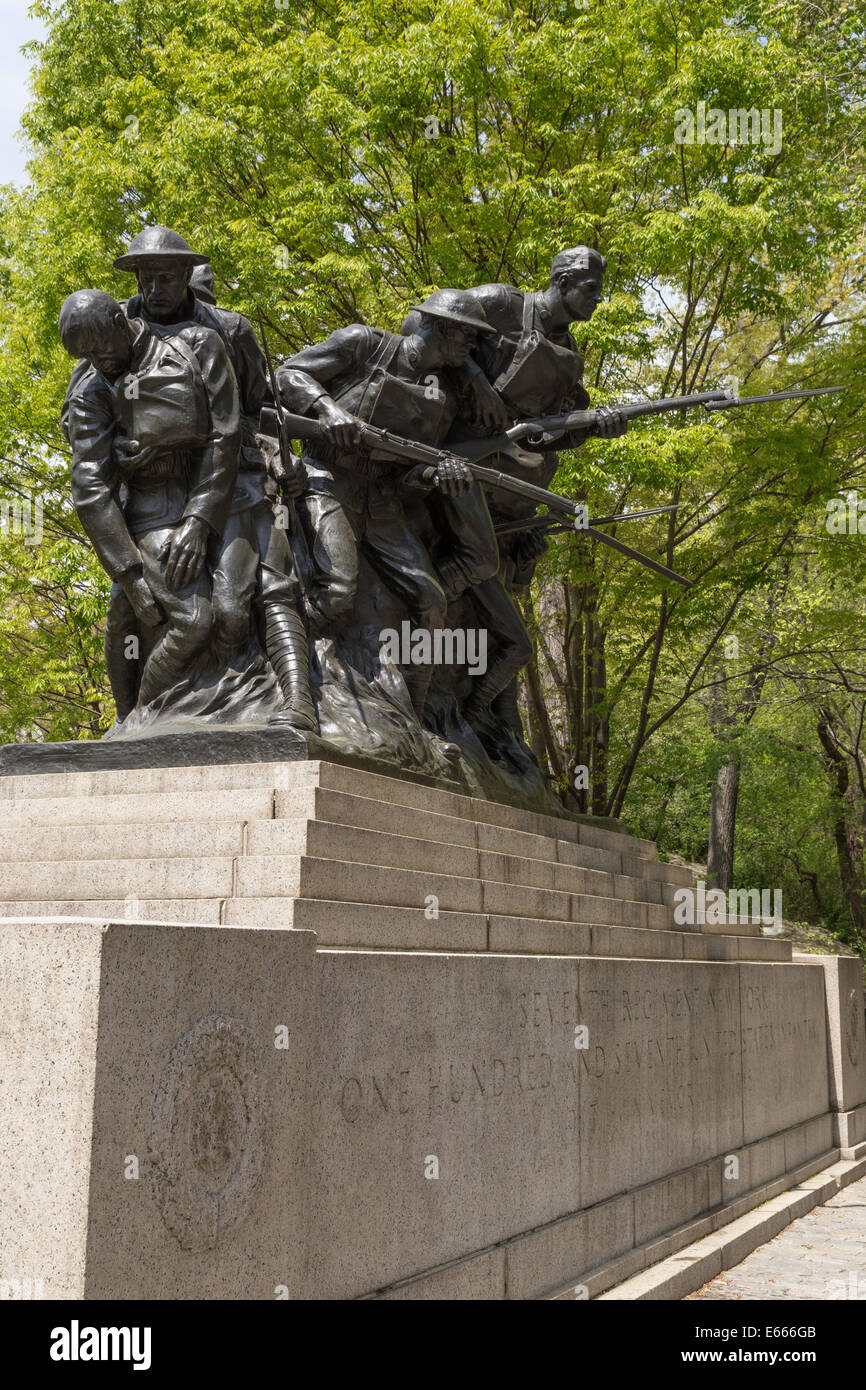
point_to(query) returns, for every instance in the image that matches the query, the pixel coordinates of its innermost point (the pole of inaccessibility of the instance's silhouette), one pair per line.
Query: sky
(16, 27)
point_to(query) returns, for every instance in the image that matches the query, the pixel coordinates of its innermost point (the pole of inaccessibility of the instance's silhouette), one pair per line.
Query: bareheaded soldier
(532, 362)
(159, 417)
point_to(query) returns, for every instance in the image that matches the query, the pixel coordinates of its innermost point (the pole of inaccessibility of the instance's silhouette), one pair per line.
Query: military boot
(288, 653)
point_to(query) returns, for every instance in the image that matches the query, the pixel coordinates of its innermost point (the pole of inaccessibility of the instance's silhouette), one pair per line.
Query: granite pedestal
(298, 1030)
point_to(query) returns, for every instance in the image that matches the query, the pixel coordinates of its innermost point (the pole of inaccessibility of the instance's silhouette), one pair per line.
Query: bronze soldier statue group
(252, 587)
(241, 574)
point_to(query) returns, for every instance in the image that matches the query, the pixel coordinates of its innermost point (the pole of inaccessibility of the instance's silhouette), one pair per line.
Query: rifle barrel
(536, 523)
(773, 396)
(585, 419)
(631, 410)
(642, 559)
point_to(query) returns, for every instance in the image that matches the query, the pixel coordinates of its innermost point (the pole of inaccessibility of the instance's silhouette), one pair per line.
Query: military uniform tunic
(178, 400)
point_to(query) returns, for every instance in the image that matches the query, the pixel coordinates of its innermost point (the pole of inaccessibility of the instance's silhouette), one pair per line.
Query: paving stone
(821, 1255)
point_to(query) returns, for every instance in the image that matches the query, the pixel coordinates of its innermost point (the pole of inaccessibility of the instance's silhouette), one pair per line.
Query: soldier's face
(162, 287)
(458, 340)
(581, 293)
(106, 346)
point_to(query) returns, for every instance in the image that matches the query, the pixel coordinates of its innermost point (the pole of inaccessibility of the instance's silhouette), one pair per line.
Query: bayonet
(539, 523)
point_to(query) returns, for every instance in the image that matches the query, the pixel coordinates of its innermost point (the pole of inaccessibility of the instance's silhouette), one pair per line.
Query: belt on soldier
(360, 465)
(162, 468)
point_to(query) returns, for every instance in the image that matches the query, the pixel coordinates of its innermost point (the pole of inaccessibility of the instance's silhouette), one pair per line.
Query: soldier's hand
(338, 426)
(292, 478)
(493, 415)
(531, 545)
(142, 601)
(610, 423)
(130, 455)
(186, 552)
(453, 477)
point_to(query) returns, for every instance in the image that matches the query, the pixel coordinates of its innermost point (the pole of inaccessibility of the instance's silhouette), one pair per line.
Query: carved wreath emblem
(852, 1027)
(207, 1133)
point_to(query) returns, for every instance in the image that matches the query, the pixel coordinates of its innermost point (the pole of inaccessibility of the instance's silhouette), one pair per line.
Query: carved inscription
(432, 1089)
(644, 1031)
(658, 1046)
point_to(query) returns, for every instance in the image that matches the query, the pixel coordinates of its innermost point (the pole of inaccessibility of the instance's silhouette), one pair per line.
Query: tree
(337, 161)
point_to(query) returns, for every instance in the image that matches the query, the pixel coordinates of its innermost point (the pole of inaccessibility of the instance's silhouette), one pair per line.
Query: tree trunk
(596, 667)
(848, 826)
(578, 798)
(723, 822)
(531, 724)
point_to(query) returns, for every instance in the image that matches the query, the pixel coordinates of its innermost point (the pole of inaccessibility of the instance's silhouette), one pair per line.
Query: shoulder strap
(528, 313)
(186, 353)
(385, 351)
(527, 329)
(381, 355)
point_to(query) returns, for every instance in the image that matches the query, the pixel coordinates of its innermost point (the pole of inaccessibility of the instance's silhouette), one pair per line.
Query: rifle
(408, 451)
(543, 430)
(300, 548)
(550, 523)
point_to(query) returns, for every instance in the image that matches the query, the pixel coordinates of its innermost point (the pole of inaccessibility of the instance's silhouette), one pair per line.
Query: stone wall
(217, 1112)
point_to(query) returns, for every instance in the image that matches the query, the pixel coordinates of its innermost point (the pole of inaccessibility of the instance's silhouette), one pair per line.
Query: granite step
(443, 816)
(203, 911)
(266, 859)
(269, 877)
(369, 926)
(121, 841)
(139, 781)
(138, 808)
(61, 880)
(321, 805)
(362, 854)
(188, 839)
(332, 840)
(292, 783)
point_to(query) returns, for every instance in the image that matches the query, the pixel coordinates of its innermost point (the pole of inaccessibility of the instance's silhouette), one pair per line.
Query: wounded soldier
(162, 417)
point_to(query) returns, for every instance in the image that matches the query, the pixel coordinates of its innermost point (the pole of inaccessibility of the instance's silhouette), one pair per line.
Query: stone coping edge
(695, 1264)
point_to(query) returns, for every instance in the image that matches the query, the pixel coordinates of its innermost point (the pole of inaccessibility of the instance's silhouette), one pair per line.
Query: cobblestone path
(821, 1255)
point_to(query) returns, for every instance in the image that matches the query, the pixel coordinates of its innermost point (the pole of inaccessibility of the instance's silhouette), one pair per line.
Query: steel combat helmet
(156, 244)
(456, 306)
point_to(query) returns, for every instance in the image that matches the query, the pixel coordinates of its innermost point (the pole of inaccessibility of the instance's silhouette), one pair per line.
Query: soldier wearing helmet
(355, 501)
(251, 562)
